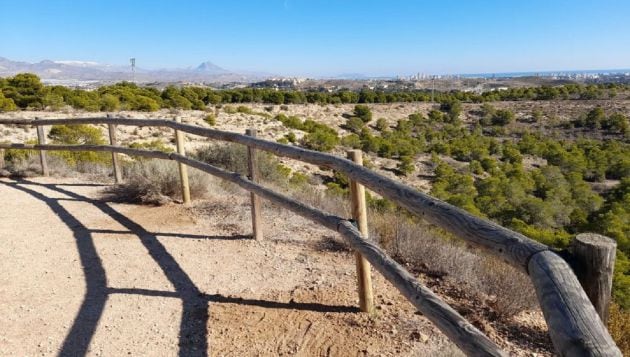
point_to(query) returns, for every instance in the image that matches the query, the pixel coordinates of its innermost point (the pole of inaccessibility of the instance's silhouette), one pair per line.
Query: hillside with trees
(549, 179)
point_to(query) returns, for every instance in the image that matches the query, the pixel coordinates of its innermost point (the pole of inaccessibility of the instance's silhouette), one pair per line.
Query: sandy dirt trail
(82, 276)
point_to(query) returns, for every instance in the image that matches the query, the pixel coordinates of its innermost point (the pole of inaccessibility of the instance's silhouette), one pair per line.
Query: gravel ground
(84, 276)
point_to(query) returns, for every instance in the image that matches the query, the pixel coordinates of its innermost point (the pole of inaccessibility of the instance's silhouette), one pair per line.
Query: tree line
(26, 91)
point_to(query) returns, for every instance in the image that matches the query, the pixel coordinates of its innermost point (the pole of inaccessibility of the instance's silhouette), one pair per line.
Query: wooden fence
(574, 316)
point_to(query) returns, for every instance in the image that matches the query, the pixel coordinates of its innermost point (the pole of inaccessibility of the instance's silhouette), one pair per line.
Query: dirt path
(84, 276)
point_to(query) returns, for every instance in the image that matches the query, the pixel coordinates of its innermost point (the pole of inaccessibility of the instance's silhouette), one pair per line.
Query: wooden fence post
(114, 142)
(183, 170)
(41, 139)
(359, 214)
(595, 258)
(2, 159)
(252, 164)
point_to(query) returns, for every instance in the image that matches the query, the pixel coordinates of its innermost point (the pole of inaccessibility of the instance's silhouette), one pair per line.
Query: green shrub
(292, 122)
(283, 171)
(405, 166)
(79, 135)
(453, 108)
(351, 140)
(363, 112)
(243, 109)
(336, 189)
(6, 104)
(354, 124)
(382, 125)
(17, 155)
(210, 119)
(537, 115)
(291, 137)
(153, 145)
(475, 167)
(109, 103)
(594, 118)
(321, 140)
(616, 123)
(144, 104)
(436, 116)
(503, 117)
(298, 179)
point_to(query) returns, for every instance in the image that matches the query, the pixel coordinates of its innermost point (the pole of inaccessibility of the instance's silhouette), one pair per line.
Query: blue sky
(324, 37)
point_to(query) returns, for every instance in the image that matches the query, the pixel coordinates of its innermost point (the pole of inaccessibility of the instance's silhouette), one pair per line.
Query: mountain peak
(210, 67)
(79, 70)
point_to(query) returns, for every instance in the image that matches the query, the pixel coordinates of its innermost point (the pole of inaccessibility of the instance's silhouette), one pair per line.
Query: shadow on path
(84, 326)
(194, 319)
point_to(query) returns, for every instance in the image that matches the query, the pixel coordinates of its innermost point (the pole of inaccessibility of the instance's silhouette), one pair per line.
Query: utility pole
(133, 69)
(432, 89)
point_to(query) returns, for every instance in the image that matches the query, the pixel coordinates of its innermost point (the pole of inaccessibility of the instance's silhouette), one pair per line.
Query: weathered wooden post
(359, 214)
(1, 159)
(183, 170)
(41, 139)
(595, 258)
(114, 142)
(252, 164)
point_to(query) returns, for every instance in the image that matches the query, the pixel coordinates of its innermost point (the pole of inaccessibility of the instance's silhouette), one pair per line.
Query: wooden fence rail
(574, 325)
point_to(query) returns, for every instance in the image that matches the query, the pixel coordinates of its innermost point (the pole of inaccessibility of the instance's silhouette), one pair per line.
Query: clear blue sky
(324, 37)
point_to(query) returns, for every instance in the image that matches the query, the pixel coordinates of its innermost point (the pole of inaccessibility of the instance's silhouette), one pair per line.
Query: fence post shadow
(194, 319)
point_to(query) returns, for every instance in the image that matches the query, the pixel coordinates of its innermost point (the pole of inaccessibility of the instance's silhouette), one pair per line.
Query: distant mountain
(209, 67)
(94, 71)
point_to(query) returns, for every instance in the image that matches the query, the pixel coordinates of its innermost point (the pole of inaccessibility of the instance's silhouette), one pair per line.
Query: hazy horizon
(324, 38)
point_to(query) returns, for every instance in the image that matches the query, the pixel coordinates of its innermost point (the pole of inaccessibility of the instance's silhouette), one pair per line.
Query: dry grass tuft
(27, 166)
(619, 328)
(505, 289)
(156, 182)
(233, 157)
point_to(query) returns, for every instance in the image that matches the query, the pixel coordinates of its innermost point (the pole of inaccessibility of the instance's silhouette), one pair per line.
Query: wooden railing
(574, 325)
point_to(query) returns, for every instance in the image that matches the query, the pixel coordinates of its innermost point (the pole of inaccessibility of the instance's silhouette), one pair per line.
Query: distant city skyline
(324, 38)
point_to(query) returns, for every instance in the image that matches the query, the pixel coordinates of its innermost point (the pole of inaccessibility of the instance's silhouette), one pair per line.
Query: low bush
(79, 135)
(156, 182)
(17, 155)
(619, 327)
(351, 140)
(26, 163)
(382, 125)
(233, 157)
(354, 124)
(243, 109)
(291, 137)
(502, 117)
(6, 104)
(20, 163)
(427, 248)
(405, 166)
(321, 140)
(363, 112)
(230, 109)
(153, 145)
(210, 119)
